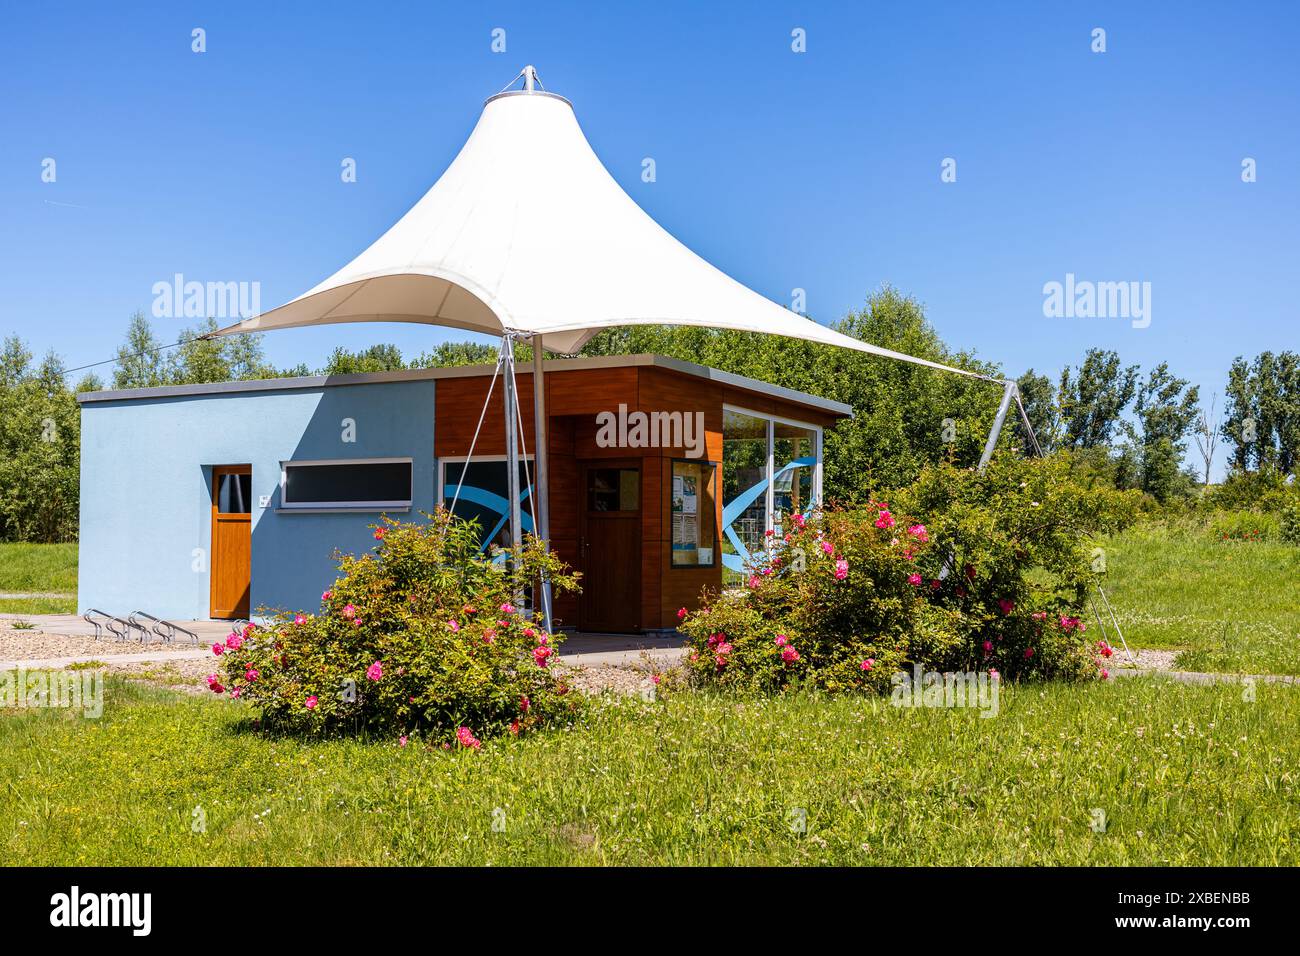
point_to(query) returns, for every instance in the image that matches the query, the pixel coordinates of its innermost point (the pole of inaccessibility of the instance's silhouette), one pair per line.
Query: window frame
(344, 506)
(772, 420)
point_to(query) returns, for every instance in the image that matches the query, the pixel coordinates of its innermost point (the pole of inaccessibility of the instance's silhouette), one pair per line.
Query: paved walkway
(578, 649)
(20, 595)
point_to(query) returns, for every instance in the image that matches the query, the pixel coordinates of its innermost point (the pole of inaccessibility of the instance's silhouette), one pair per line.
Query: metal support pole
(512, 443)
(541, 469)
(1007, 394)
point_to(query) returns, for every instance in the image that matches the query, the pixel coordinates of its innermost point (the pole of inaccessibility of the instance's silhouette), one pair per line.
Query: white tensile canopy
(526, 235)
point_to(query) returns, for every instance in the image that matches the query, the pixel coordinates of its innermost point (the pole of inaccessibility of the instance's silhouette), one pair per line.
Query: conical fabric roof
(527, 231)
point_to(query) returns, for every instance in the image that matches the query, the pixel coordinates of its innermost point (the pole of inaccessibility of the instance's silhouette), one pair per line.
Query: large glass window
(754, 447)
(744, 490)
(484, 497)
(794, 461)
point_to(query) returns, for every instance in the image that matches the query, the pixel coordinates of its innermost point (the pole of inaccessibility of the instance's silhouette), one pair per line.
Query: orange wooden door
(232, 542)
(610, 547)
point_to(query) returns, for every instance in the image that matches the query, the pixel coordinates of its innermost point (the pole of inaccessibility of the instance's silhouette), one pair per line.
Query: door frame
(590, 464)
(218, 471)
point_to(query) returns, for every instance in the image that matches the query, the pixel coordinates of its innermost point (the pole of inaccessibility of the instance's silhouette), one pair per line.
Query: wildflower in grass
(401, 741)
(453, 625)
(1007, 606)
(789, 655)
(349, 611)
(866, 665)
(914, 580)
(311, 702)
(375, 671)
(467, 738)
(919, 532)
(841, 569)
(218, 649)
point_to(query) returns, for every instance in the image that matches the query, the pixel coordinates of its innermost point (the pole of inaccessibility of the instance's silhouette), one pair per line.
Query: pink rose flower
(884, 520)
(789, 655)
(453, 625)
(914, 580)
(918, 532)
(1007, 605)
(299, 620)
(375, 671)
(782, 640)
(869, 663)
(828, 548)
(349, 611)
(251, 675)
(681, 613)
(467, 738)
(218, 649)
(325, 596)
(311, 702)
(401, 741)
(234, 642)
(841, 569)
(507, 608)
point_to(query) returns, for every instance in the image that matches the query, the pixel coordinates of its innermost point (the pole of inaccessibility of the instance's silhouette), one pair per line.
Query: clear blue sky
(817, 170)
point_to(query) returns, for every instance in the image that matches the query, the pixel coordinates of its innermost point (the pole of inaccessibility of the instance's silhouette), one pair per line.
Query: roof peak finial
(530, 78)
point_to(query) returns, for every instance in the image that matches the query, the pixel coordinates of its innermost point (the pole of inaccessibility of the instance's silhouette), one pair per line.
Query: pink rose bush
(420, 637)
(957, 573)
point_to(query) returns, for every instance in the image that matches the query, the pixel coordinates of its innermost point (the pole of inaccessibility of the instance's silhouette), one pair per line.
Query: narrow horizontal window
(384, 483)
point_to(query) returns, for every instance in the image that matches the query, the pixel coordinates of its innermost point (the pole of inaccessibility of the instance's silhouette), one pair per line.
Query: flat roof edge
(310, 382)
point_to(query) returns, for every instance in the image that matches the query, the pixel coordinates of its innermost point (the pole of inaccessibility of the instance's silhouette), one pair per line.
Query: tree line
(1120, 425)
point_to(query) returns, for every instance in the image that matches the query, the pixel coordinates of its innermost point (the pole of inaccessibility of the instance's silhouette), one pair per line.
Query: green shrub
(1244, 526)
(1264, 489)
(1289, 526)
(421, 636)
(991, 571)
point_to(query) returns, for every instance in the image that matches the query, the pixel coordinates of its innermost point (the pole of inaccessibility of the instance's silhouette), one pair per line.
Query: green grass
(1184, 775)
(1230, 605)
(41, 569)
(28, 568)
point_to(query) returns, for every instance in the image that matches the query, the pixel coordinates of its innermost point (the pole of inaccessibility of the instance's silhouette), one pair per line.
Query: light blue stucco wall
(146, 469)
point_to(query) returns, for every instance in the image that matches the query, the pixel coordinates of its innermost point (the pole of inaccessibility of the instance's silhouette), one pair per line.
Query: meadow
(38, 569)
(1140, 771)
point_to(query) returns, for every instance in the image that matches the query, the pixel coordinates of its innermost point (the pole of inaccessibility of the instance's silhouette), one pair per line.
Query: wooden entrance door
(232, 543)
(610, 546)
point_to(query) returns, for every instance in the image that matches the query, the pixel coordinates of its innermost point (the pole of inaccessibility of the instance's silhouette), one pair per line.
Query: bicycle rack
(164, 630)
(120, 628)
